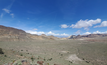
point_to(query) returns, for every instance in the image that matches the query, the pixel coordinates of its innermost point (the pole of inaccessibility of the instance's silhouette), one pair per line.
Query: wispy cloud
(78, 32)
(6, 10)
(35, 12)
(64, 26)
(12, 15)
(103, 24)
(85, 23)
(35, 29)
(1, 15)
(47, 33)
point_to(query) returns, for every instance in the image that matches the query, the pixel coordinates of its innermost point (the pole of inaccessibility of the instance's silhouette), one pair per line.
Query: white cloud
(85, 23)
(35, 32)
(64, 26)
(64, 34)
(87, 33)
(103, 24)
(98, 32)
(47, 33)
(12, 15)
(1, 15)
(51, 33)
(6, 10)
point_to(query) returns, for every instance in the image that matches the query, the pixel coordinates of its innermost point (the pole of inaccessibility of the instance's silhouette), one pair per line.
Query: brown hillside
(13, 34)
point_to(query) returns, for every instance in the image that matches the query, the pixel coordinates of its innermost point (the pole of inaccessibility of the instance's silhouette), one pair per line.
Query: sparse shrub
(32, 58)
(83, 59)
(5, 55)
(44, 59)
(70, 61)
(87, 61)
(1, 52)
(61, 54)
(50, 59)
(21, 50)
(38, 57)
(21, 54)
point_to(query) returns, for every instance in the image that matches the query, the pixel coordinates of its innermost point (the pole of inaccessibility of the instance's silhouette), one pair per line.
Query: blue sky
(55, 17)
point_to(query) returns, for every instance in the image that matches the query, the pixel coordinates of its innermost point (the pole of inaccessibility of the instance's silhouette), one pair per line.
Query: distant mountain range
(13, 34)
(87, 36)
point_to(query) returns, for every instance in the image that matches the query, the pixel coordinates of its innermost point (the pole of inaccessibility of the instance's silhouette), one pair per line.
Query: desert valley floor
(59, 52)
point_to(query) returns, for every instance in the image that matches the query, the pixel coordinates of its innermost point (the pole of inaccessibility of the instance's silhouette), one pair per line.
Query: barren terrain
(62, 52)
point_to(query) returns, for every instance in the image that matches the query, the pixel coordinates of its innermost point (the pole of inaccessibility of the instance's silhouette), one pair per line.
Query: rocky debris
(24, 62)
(1, 52)
(40, 62)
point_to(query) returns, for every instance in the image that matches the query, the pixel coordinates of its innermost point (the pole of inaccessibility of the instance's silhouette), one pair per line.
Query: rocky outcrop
(71, 37)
